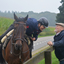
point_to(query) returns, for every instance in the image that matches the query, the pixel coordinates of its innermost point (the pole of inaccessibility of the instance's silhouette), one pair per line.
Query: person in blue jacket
(58, 42)
(34, 27)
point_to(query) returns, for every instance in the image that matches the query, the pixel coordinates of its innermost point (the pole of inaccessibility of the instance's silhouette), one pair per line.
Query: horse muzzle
(18, 47)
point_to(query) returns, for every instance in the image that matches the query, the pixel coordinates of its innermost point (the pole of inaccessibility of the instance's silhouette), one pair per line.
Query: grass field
(54, 59)
(4, 24)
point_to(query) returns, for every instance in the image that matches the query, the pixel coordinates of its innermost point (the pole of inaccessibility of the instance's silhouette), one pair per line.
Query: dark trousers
(31, 53)
(30, 48)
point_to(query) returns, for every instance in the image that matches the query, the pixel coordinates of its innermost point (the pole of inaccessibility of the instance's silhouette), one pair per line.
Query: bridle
(22, 39)
(12, 43)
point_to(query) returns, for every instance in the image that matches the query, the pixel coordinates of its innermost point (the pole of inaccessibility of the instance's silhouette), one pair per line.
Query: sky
(30, 5)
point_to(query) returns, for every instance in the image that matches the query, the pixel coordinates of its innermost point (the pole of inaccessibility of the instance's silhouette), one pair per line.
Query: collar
(57, 33)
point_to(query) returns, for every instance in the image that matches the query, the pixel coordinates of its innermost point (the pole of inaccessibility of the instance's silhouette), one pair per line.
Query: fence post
(48, 57)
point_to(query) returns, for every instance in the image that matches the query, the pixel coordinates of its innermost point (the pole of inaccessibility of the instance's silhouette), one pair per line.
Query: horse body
(17, 51)
(14, 58)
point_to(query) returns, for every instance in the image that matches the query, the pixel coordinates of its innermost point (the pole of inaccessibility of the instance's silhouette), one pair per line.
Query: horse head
(17, 50)
(19, 31)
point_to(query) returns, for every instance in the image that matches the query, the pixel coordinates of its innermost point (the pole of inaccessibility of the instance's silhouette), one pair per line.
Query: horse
(17, 50)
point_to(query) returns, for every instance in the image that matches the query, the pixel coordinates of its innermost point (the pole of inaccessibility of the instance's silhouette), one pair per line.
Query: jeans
(62, 62)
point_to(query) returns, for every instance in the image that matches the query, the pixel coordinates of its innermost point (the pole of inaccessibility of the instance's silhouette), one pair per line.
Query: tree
(60, 16)
(5, 12)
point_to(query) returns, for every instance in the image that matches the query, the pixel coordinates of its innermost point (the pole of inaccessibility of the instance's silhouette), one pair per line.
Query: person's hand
(50, 43)
(33, 39)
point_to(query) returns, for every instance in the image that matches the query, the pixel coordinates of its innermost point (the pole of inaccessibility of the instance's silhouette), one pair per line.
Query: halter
(22, 39)
(16, 38)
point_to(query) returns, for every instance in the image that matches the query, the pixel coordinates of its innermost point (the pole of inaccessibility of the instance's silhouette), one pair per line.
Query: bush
(50, 33)
(42, 34)
(47, 31)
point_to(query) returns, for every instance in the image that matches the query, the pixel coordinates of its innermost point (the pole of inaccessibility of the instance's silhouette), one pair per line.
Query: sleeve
(59, 43)
(35, 35)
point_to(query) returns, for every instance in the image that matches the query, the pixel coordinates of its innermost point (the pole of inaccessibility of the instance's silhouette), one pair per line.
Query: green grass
(4, 24)
(54, 59)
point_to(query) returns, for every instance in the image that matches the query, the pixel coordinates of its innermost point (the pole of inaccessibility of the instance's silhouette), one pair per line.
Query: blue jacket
(59, 45)
(32, 27)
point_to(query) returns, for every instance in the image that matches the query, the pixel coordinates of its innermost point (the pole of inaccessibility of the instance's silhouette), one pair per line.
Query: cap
(61, 24)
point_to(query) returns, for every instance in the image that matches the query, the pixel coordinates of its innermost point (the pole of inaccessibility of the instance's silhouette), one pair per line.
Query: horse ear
(26, 18)
(15, 17)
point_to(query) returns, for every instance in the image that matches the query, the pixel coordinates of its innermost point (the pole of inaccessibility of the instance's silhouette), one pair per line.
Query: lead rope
(20, 56)
(26, 58)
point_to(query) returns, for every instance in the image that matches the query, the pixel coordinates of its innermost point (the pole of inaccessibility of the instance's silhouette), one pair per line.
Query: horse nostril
(16, 46)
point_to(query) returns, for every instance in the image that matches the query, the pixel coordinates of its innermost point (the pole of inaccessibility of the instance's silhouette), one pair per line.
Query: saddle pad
(3, 39)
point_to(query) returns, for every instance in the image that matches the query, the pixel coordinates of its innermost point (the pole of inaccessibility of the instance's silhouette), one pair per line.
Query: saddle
(9, 33)
(27, 39)
(6, 39)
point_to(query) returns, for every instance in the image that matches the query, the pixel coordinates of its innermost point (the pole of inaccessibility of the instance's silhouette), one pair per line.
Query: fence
(44, 54)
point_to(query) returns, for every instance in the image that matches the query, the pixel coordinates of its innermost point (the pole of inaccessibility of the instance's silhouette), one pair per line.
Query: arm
(35, 36)
(57, 43)
(33, 39)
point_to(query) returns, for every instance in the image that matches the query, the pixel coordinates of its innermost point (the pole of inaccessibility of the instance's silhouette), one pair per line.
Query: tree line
(50, 16)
